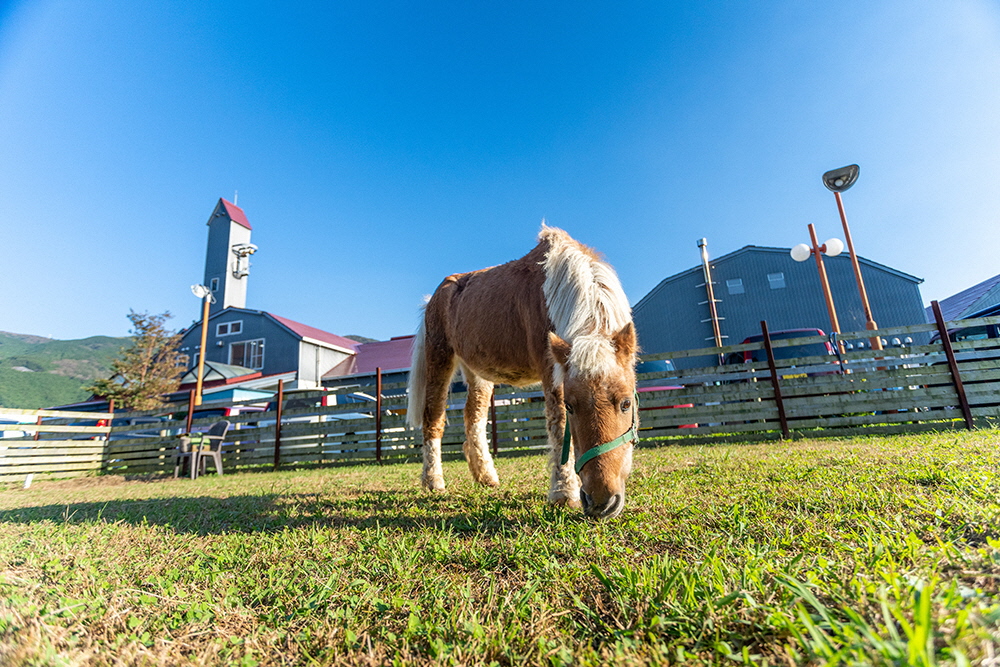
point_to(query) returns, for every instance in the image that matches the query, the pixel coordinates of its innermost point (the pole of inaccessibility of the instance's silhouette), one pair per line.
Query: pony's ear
(560, 349)
(625, 344)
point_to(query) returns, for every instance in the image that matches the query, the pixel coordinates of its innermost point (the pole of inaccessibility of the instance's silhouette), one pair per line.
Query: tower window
(735, 286)
(229, 328)
(776, 280)
(215, 284)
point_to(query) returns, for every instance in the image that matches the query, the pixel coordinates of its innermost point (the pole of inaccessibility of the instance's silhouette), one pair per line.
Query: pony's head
(598, 378)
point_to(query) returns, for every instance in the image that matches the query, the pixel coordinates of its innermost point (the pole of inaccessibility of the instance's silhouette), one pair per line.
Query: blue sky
(379, 146)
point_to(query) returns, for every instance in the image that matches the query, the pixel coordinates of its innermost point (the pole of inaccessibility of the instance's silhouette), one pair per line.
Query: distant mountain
(361, 339)
(38, 372)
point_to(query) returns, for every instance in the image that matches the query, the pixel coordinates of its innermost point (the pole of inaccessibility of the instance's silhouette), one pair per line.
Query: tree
(147, 369)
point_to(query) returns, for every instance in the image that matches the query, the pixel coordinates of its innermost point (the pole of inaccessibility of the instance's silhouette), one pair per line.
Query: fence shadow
(268, 513)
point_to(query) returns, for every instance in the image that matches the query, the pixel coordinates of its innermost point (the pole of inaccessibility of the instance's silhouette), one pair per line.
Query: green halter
(630, 435)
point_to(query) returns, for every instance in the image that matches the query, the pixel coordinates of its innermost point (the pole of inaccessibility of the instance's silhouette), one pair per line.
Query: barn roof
(307, 332)
(969, 302)
(389, 355)
(764, 249)
(297, 329)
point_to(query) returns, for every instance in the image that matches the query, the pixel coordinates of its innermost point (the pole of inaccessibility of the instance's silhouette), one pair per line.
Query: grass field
(873, 551)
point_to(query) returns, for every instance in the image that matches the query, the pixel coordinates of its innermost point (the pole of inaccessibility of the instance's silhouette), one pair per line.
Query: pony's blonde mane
(585, 301)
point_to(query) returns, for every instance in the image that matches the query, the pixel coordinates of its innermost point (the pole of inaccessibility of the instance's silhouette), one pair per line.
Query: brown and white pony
(557, 316)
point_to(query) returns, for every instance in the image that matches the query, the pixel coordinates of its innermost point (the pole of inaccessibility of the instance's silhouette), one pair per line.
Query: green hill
(37, 372)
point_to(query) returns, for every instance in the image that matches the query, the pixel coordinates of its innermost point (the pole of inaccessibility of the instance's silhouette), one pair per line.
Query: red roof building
(389, 355)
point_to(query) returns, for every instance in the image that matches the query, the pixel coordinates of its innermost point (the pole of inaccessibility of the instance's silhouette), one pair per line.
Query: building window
(229, 328)
(215, 284)
(735, 286)
(194, 360)
(776, 280)
(248, 353)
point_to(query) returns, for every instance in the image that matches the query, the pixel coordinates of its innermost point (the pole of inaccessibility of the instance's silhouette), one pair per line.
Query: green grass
(870, 551)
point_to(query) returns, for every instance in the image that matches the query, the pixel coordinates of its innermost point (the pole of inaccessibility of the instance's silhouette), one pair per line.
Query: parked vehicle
(659, 366)
(981, 332)
(314, 399)
(297, 399)
(86, 406)
(792, 351)
(12, 419)
(220, 412)
(152, 427)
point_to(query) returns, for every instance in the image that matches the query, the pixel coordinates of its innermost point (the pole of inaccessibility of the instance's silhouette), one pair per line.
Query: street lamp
(205, 295)
(831, 248)
(837, 181)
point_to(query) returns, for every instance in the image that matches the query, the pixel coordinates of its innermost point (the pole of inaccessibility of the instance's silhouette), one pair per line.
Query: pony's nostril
(608, 510)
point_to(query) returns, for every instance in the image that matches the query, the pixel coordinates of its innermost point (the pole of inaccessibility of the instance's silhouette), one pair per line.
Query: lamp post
(713, 311)
(837, 181)
(205, 295)
(831, 248)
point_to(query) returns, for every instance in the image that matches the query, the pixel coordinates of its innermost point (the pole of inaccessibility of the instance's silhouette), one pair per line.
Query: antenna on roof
(236, 197)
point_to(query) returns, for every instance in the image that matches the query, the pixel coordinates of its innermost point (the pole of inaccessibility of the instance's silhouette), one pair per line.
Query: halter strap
(630, 435)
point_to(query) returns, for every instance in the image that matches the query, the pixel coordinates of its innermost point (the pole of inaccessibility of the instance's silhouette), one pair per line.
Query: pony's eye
(626, 404)
(569, 408)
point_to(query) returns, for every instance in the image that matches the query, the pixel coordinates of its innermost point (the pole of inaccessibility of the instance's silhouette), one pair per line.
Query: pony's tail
(417, 385)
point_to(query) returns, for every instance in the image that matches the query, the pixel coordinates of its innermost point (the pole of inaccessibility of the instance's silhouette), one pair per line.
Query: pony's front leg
(476, 447)
(564, 485)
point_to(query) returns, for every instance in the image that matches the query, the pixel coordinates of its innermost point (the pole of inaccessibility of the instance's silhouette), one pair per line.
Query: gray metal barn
(758, 283)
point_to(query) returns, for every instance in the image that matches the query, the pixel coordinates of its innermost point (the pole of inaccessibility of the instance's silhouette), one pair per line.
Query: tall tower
(227, 262)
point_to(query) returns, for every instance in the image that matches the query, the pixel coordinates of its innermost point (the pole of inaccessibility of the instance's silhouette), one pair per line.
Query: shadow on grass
(266, 513)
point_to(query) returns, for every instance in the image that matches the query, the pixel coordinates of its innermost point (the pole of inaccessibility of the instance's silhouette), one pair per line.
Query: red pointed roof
(307, 331)
(235, 213)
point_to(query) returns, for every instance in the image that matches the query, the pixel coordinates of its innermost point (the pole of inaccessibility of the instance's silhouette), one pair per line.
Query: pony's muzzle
(606, 510)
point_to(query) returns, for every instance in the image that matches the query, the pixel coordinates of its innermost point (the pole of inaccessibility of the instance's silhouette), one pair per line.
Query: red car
(659, 366)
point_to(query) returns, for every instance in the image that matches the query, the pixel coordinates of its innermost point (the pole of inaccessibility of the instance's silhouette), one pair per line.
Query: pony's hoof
(493, 481)
(434, 485)
(572, 503)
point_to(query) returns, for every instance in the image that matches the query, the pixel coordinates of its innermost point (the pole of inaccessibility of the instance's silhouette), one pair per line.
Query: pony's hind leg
(440, 371)
(476, 448)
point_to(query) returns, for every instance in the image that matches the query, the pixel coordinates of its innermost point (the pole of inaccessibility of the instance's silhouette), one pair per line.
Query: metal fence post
(956, 377)
(277, 424)
(775, 380)
(378, 415)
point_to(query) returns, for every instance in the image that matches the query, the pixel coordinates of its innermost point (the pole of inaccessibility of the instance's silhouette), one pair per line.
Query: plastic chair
(215, 437)
(196, 446)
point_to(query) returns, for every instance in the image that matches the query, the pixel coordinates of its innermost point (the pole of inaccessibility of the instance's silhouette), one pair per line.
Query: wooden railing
(917, 387)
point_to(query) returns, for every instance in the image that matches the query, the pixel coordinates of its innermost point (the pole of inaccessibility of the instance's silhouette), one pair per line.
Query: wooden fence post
(277, 424)
(493, 418)
(190, 415)
(775, 380)
(378, 415)
(956, 377)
